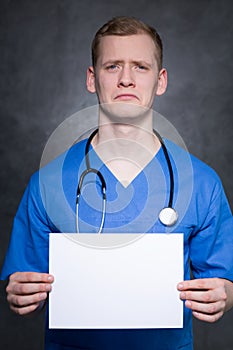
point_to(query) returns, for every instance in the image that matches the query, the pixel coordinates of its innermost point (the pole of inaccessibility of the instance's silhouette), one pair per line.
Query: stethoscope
(168, 216)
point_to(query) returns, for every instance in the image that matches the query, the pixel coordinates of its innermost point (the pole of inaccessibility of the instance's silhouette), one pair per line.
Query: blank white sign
(129, 286)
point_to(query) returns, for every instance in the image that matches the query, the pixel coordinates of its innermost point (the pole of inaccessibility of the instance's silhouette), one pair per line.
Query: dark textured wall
(44, 52)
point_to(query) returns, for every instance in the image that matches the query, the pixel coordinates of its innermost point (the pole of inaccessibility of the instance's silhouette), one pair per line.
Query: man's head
(127, 56)
(126, 26)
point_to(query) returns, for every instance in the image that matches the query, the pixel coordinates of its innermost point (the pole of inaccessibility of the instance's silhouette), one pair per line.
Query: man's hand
(208, 298)
(26, 291)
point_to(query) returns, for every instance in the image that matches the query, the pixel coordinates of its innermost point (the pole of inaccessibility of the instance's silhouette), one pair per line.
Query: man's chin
(128, 111)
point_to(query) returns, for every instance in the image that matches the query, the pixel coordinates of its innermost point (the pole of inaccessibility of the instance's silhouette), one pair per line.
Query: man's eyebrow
(134, 62)
(112, 61)
(142, 63)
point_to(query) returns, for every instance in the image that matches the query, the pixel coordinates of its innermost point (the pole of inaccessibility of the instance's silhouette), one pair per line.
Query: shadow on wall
(19, 332)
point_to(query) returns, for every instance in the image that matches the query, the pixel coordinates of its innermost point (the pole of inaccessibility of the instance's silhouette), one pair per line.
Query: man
(126, 75)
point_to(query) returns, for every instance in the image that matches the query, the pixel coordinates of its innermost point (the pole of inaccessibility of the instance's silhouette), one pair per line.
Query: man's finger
(209, 309)
(25, 310)
(206, 317)
(200, 284)
(201, 296)
(23, 301)
(34, 277)
(28, 288)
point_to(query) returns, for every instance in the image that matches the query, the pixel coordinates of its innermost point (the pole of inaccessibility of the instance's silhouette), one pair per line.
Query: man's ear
(162, 82)
(90, 82)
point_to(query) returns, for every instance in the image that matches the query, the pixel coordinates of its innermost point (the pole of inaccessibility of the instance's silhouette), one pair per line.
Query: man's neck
(125, 148)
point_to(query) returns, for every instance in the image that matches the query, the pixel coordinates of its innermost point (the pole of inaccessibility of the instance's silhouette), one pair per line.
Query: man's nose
(126, 78)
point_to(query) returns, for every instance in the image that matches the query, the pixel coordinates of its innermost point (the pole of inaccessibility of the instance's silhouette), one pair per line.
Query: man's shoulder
(73, 156)
(187, 163)
(202, 171)
(68, 160)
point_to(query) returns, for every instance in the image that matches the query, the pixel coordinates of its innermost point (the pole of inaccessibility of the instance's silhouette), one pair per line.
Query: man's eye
(141, 67)
(112, 67)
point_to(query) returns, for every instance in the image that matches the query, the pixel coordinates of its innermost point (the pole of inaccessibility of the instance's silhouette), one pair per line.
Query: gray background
(45, 49)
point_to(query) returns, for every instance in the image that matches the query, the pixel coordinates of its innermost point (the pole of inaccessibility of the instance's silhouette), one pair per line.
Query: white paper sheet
(132, 286)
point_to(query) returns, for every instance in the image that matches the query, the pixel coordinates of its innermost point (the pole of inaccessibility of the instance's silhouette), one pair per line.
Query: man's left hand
(208, 298)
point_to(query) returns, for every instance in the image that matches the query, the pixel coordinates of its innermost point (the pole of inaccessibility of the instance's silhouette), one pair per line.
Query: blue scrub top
(48, 205)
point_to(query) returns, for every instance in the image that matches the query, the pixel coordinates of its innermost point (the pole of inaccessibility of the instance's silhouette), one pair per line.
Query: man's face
(126, 71)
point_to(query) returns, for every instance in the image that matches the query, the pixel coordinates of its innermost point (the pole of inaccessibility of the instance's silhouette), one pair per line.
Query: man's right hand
(27, 291)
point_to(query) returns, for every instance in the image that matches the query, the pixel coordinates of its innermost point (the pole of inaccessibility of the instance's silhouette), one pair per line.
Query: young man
(126, 75)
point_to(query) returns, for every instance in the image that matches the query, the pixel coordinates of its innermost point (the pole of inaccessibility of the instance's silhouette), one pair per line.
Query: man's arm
(208, 298)
(27, 291)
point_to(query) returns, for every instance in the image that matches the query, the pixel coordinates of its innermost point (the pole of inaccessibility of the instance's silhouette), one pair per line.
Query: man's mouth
(126, 97)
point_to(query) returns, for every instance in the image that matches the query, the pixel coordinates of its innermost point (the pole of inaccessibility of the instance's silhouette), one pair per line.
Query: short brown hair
(124, 26)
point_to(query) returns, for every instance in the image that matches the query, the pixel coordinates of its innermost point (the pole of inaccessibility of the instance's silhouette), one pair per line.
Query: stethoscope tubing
(168, 215)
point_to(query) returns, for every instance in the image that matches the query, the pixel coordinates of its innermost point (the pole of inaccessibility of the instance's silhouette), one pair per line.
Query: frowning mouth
(126, 97)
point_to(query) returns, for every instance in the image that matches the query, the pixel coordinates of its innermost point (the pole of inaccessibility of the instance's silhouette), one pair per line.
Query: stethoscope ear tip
(168, 216)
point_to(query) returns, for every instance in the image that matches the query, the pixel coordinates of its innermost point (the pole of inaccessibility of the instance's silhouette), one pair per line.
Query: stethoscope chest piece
(168, 216)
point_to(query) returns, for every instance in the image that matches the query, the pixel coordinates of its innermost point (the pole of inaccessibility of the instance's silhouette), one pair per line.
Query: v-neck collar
(95, 159)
